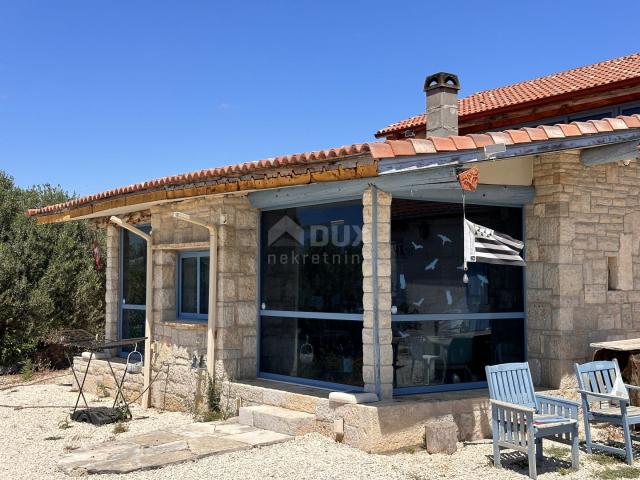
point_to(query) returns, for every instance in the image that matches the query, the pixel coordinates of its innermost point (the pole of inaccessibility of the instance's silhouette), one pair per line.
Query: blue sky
(97, 94)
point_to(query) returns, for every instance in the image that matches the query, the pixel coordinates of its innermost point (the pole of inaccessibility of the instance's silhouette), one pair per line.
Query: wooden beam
(349, 189)
(614, 152)
(181, 246)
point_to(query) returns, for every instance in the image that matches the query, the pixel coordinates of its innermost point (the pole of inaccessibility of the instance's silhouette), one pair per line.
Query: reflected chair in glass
(521, 418)
(418, 349)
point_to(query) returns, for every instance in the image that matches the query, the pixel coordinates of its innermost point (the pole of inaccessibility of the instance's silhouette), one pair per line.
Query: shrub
(26, 372)
(48, 277)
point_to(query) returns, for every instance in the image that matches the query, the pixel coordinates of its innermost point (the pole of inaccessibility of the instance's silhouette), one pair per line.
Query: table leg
(81, 386)
(119, 385)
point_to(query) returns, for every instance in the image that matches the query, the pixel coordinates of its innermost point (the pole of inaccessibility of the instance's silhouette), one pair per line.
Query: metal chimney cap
(441, 79)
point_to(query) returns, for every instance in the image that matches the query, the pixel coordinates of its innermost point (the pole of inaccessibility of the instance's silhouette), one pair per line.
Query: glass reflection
(453, 351)
(427, 252)
(312, 258)
(324, 350)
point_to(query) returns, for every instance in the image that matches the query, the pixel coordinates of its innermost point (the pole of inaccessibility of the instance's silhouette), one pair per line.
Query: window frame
(315, 315)
(188, 316)
(122, 305)
(516, 315)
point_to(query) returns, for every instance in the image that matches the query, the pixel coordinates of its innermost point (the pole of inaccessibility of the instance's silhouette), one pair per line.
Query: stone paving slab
(166, 447)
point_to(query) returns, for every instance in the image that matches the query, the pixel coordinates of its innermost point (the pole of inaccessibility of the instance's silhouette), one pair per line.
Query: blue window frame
(133, 280)
(192, 282)
(446, 331)
(310, 325)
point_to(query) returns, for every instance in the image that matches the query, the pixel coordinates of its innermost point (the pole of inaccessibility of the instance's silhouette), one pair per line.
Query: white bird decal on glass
(416, 246)
(449, 297)
(483, 280)
(419, 302)
(432, 265)
(444, 239)
(403, 282)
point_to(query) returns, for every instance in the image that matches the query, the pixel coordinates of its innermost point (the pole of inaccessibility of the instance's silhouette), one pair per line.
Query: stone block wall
(179, 386)
(582, 249)
(377, 305)
(112, 299)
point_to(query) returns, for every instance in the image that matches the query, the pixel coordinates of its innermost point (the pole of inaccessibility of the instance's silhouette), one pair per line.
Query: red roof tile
(377, 150)
(562, 83)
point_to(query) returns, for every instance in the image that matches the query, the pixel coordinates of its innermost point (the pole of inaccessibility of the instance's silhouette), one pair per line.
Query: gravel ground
(32, 441)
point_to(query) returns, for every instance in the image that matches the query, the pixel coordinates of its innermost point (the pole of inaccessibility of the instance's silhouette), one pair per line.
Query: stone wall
(112, 299)
(179, 344)
(377, 304)
(582, 250)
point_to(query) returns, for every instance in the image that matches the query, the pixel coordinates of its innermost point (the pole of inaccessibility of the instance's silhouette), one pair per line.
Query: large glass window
(193, 285)
(311, 294)
(446, 331)
(133, 284)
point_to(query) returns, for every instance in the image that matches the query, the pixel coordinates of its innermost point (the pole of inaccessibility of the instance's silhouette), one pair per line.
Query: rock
(441, 437)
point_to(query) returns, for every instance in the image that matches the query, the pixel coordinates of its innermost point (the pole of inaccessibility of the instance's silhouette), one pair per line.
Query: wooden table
(627, 352)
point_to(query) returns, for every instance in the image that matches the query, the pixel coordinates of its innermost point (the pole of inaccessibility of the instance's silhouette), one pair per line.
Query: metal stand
(87, 342)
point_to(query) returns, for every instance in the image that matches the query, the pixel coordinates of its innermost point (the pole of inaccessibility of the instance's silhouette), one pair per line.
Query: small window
(193, 285)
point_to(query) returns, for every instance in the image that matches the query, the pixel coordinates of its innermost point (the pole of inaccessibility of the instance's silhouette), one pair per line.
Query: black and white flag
(482, 244)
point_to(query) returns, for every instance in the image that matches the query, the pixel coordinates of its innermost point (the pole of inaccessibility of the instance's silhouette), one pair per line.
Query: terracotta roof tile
(536, 133)
(569, 130)
(400, 147)
(552, 131)
(616, 123)
(463, 142)
(561, 83)
(501, 137)
(481, 139)
(601, 125)
(380, 150)
(422, 146)
(519, 136)
(630, 121)
(585, 128)
(377, 150)
(443, 144)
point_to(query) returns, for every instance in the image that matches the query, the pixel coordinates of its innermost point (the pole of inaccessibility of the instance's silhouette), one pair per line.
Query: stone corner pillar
(112, 301)
(377, 368)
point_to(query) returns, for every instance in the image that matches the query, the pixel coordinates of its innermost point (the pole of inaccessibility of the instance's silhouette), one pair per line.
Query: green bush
(48, 277)
(27, 370)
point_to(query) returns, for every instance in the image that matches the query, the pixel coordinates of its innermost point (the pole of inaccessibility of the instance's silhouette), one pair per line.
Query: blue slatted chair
(595, 383)
(521, 418)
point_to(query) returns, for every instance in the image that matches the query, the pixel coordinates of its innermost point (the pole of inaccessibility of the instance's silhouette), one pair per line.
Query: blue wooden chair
(521, 418)
(595, 384)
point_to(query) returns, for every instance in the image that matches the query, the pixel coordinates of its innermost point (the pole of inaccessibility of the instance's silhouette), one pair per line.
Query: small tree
(48, 277)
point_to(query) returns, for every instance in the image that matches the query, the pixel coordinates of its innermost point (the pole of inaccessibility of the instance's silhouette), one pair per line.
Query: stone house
(339, 269)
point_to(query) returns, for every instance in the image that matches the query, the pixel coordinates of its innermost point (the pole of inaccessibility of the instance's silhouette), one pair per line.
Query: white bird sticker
(419, 302)
(432, 265)
(483, 280)
(444, 239)
(403, 282)
(449, 297)
(416, 246)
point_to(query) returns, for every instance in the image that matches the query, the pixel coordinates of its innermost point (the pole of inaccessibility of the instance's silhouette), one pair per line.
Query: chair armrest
(558, 400)
(558, 406)
(512, 406)
(604, 396)
(632, 387)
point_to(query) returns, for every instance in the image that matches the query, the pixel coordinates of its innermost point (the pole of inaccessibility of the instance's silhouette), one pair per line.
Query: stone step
(277, 419)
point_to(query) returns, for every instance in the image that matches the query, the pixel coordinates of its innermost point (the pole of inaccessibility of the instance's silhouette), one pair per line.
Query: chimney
(442, 104)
